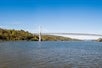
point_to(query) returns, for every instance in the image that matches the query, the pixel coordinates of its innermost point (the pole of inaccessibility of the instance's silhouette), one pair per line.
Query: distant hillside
(99, 40)
(6, 34)
(55, 38)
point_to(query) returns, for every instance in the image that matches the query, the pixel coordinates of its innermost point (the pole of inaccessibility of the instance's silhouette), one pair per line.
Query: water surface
(30, 54)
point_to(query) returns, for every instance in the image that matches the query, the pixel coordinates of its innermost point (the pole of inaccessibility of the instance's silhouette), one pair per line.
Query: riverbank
(14, 35)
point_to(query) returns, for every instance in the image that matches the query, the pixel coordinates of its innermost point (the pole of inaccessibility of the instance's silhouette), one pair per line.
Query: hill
(99, 40)
(12, 35)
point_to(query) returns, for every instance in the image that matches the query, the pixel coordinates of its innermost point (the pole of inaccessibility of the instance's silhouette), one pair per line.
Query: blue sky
(76, 16)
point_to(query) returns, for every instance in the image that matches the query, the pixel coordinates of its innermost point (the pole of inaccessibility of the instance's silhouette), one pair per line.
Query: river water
(50, 54)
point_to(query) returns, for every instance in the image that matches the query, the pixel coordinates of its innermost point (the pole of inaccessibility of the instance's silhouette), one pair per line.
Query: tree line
(11, 34)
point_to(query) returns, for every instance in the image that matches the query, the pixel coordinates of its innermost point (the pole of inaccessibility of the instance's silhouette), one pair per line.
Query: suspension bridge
(78, 34)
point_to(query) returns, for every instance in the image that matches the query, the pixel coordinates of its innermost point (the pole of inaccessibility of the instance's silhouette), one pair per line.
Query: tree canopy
(7, 34)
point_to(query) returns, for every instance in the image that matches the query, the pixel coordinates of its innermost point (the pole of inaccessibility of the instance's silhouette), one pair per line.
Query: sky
(73, 16)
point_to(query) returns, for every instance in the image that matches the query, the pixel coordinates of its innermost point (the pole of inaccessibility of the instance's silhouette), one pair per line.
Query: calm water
(30, 54)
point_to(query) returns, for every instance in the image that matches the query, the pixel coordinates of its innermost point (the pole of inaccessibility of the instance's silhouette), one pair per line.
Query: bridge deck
(81, 34)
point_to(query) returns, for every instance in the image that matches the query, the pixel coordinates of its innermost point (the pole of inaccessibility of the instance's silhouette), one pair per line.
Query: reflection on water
(30, 54)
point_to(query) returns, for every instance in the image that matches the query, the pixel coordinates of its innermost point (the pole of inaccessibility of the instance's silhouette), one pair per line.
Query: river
(51, 54)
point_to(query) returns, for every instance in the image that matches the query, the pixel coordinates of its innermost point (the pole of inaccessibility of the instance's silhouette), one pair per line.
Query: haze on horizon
(73, 16)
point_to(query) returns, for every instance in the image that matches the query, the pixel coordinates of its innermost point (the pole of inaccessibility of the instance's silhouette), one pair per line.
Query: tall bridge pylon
(39, 33)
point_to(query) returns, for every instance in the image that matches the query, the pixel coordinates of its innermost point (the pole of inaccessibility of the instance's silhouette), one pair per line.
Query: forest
(13, 35)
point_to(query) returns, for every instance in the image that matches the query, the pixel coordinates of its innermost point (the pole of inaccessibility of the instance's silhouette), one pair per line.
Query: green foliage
(15, 35)
(25, 35)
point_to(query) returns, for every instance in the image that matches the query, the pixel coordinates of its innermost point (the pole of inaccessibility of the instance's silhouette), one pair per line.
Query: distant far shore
(21, 35)
(14, 35)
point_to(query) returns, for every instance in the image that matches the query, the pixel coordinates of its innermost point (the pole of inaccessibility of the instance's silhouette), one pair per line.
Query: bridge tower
(39, 33)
